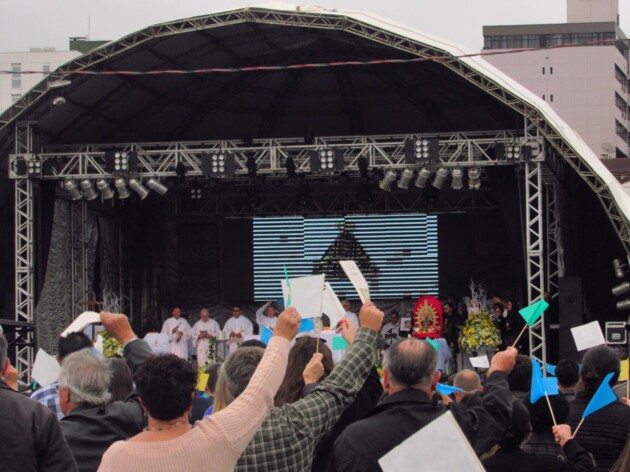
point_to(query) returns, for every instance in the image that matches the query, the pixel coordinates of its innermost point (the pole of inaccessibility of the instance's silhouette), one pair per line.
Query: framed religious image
(405, 324)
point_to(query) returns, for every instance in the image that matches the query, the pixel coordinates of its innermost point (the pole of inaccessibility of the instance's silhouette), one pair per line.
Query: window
(622, 105)
(16, 75)
(46, 68)
(15, 97)
(551, 70)
(544, 97)
(551, 97)
(621, 78)
(621, 130)
(543, 71)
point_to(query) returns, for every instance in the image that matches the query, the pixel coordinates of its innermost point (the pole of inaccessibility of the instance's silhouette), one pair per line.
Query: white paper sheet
(332, 306)
(588, 335)
(307, 294)
(84, 320)
(45, 369)
(356, 277)
(480, 362)
(418, 451)
(98, 345)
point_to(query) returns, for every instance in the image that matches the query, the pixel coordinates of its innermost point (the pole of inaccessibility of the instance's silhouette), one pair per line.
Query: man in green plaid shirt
(288, 436)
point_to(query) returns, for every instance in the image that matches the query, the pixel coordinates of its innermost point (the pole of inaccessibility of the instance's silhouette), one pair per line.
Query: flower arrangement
(479, 331)
(111, 347)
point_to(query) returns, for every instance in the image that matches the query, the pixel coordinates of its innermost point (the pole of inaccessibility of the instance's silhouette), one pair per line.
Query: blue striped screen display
(402, 251)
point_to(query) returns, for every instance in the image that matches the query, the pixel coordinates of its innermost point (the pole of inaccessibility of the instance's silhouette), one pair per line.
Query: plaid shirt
(49, 396)
(543, 443)
(289, 434)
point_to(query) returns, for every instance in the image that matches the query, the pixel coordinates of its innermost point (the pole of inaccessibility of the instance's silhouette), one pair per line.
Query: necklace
(168, 426)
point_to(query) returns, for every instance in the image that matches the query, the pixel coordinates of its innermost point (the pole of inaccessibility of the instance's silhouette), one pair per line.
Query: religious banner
(427, 318)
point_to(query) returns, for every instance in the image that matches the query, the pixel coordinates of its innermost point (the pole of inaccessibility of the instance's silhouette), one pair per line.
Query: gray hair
(468, 380)
(411, 362)
(3, 350)
(235, 374)
(87, 377)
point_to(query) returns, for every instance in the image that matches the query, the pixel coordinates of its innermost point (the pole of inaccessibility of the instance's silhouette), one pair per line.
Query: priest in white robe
(202, 332)
(177, 329)
(266, 316)
(236, 327)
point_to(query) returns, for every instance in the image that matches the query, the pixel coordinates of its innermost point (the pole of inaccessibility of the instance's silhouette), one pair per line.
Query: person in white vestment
(236, 327)
(391, 330)
(177, 329)
(350, 315)
(266, 316)
(202, 332)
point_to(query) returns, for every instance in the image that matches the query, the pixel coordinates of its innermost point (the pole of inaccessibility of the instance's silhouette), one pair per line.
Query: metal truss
(270, 156)
(553, 259)
(24, 257)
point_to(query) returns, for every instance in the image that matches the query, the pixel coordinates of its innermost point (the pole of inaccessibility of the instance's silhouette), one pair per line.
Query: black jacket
(90, 430)
(603, 433)
(30, 438)
(517, 460)
(402, 414)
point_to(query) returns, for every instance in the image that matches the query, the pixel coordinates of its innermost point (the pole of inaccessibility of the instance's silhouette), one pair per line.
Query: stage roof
(450, 92)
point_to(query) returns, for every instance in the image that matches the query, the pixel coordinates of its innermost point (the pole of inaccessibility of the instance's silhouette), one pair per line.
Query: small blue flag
(444, 389)
(541, 386)
(551, 369)
(265, 334)
(604, 396)
(307, 324)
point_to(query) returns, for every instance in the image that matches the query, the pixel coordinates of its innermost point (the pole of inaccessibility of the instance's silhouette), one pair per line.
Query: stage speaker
(571, 314)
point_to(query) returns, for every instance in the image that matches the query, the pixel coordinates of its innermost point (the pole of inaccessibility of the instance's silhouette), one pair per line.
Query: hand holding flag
(603, 396)
(531, 314)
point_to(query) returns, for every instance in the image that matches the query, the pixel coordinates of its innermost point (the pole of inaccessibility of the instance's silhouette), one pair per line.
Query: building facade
(580, 68)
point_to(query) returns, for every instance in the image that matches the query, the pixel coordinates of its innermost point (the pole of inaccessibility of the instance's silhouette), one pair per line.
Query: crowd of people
(286, 406)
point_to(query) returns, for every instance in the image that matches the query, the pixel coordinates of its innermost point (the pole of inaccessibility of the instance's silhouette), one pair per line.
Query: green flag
(533, 312)
(286, 278)
(435, 344)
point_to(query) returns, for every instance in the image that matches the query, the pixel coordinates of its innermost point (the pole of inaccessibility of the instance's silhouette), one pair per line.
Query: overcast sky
(42, 23)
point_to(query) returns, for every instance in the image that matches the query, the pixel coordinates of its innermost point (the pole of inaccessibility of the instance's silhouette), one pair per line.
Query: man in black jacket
(410, 378)
(91, 423)
(30, 438)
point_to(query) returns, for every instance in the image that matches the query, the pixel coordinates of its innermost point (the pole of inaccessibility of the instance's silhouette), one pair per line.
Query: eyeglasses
(236, 309)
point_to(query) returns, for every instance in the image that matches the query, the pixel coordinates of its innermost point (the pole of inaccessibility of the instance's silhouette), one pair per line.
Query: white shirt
(263, 320)
(238, 325)
(352, 318)
(179, 347)
(390, 329)
(211, 326)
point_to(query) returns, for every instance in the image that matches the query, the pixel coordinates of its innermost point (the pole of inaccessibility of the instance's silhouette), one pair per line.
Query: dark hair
(253, 343)
(3, 350)
(213, 372)
(239, 368)
(520, 379)
(72, 343)
(411, 362)
(597, 363)
(300, 354)
(519, 428)
(121, 385)
(539, 413)
(568, 373)
(166, 384)
(497, 305)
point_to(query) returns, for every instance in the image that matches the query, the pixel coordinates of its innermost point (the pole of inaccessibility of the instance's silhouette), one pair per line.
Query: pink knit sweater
(216, 442)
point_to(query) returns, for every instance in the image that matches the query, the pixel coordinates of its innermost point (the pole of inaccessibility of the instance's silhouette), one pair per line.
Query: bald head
(411, 363)
(468, 380)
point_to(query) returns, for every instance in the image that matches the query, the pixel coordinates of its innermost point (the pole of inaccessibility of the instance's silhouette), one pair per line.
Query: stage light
(72, 189)
(58, 101)
(327, 160)
(619, 268)
(34, 167)
(180, 172)
(405, 178)
(421, 150)
(440, 177)
(121, 187)
(423, 177)
(157, 186)
(624, 304)
(474, 178)
(196, 193)
(218, 164)
(251, 167)
(513, 151)
(388, 180)
(620, 289)
(141, 190)
(121, 162)
(88, 190)
(290, 167)
(458, 179)
(106, 191)
(363, 165)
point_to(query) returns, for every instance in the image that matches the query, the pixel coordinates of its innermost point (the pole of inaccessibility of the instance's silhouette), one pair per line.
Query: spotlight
(180, 172)
(423, 177)
(88, 191)
(458, 179)
(440, 177)
(421, 150)
(34, 168)
(405, 178)
(620, 289)
(157, 186)
(218, 164)
(58, 101)
(388, 180)
(474, 178)
(624, 304)
(196, 193)
(105, 189)
(121, 187)
(290, 167)
(121, 162)
(140, 189)
(72, 189)
(619, 268)
(251, 167)
(327, 160)
(363, 167)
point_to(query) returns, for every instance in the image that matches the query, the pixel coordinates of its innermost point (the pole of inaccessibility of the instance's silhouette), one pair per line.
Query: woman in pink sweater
(167, 386)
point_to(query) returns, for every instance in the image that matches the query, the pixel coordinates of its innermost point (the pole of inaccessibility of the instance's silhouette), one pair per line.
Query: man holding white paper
(202, 332)
(177, 329)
